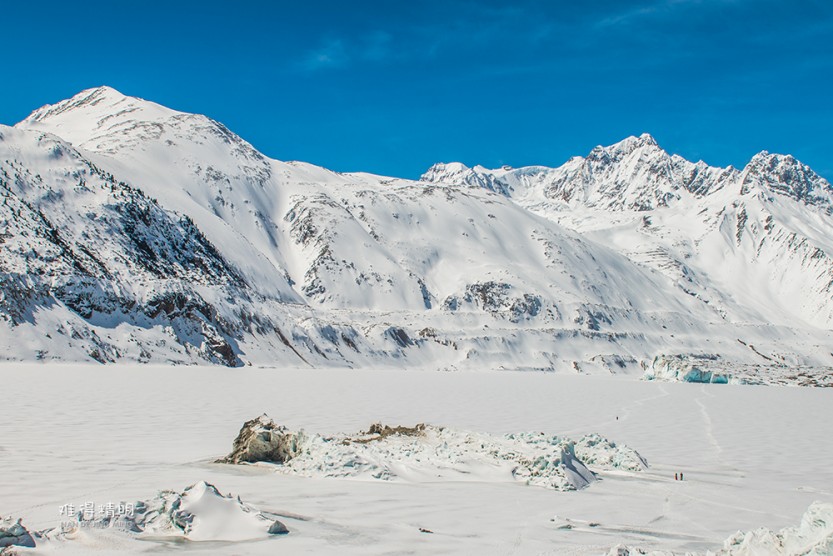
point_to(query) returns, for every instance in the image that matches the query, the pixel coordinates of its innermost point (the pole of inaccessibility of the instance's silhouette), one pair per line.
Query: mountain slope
(261, 261)
(753, 242)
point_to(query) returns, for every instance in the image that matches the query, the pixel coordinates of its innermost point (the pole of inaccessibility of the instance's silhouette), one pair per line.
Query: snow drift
(199, 513)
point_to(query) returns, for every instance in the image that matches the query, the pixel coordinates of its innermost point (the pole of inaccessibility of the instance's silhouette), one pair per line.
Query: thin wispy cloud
(660, 7)
(468, 30)
(375, 46)
(330, 55)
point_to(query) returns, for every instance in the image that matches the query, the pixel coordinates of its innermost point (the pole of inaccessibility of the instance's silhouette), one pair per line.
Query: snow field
(752, 456)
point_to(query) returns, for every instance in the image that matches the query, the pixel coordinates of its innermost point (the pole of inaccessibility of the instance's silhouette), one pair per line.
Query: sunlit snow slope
(134, 232)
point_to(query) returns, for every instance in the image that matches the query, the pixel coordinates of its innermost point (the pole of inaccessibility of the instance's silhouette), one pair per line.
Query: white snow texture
(136, 233)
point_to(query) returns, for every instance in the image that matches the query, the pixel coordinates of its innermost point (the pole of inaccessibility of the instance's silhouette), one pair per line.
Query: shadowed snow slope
(135, 232)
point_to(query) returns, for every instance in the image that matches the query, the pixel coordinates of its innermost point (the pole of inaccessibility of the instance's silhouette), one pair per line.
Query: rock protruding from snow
(262, 439)
(426, 452)
(378, 431)
(625, 550)
(497, 299)
(813, 536)
(785, 175)
(456, 173)
(599, 452)
(13, 533)
(199, 513)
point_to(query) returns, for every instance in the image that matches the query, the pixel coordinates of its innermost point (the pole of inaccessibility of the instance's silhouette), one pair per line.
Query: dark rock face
(14, 534)
(498, 299)
(784, 175)
(278, 528)
(262, 439)
(63, 246)
(399, 336)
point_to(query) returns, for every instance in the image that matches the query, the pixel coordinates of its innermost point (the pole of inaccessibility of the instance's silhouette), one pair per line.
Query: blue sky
(392, 87)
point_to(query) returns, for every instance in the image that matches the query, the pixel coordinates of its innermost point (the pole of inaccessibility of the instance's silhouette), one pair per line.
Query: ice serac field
(752, 456)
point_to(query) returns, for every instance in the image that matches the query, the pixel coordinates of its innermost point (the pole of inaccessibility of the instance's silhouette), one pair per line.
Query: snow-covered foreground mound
(199, 513)
(812, 537)
(430, 453)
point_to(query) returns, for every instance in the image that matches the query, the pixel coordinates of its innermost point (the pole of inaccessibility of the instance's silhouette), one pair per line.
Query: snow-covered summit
(682, 217)
(627, 146)
(458, 173)
(633, 174)
(104, 100)
(92, 115)
(637, 174)
(784, 175)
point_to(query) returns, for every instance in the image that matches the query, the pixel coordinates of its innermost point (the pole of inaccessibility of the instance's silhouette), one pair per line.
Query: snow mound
(430, 453)
(13, 533)
(812, 537)
(199, 513)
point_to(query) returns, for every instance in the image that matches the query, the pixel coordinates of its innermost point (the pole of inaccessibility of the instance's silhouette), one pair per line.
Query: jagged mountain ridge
(705, 227)
(636, 174)
(323, 268)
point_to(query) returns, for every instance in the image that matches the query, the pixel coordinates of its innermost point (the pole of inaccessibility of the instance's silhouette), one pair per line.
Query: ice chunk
(13, 533)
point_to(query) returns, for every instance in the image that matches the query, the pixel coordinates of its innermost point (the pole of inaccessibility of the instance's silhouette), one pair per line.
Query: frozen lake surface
(751, 456)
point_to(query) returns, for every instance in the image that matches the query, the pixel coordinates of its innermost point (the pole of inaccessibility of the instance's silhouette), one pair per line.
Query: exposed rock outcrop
(13, 533)
(262, 439)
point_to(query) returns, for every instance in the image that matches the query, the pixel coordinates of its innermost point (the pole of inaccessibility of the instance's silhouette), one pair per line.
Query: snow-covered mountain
(753, 242)
(134, 232)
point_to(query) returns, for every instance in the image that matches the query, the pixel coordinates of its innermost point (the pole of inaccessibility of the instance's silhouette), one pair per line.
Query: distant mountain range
(130, 232)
